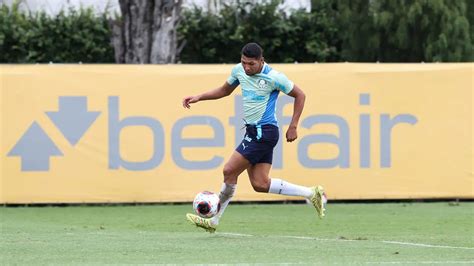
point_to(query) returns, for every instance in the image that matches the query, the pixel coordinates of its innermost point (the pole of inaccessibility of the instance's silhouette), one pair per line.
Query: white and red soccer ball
(206, 204)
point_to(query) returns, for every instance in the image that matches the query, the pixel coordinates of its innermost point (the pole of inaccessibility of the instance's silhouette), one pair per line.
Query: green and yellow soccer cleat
(319, 200)
(201, 222)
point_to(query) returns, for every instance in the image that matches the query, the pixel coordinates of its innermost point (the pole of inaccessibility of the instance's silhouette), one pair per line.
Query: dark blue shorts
(258, 143)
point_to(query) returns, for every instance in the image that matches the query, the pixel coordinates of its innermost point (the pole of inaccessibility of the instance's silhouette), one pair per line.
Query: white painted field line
(316, 238)
(382, 241)
(422, 262)
(235, 234)
(424, 245)
(352, 240)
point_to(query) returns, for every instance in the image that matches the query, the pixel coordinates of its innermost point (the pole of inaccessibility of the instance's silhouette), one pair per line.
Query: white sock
(227, 192)
(278, 186)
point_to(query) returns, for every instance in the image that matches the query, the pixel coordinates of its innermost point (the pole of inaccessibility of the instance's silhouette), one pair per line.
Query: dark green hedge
(336, 30)
(302, 37)
(70, 37)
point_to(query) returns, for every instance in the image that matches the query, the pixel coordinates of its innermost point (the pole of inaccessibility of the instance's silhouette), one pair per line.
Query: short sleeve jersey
(260, 92)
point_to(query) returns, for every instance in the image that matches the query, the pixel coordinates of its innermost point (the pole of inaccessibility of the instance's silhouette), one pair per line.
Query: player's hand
(187, 101)
(291, 134)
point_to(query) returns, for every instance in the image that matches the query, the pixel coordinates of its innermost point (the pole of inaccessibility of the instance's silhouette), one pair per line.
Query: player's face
(252, 66)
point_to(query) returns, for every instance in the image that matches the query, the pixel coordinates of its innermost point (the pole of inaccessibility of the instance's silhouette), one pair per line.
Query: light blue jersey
(260, 93)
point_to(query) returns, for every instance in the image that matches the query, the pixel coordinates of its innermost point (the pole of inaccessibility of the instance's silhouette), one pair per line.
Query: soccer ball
(206, 204)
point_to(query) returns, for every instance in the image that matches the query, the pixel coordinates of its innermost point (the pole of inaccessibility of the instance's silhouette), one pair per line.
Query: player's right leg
(232, 169)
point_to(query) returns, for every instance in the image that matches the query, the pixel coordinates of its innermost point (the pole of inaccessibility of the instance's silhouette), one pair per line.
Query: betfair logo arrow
(35, 148)
(73, 119)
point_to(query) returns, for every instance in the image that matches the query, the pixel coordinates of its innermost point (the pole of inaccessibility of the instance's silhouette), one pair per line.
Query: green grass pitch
(357, 234)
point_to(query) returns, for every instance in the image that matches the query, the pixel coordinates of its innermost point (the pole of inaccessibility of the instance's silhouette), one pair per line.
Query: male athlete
(260, 87)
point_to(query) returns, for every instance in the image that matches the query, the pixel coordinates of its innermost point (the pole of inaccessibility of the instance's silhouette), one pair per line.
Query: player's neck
(261, 68)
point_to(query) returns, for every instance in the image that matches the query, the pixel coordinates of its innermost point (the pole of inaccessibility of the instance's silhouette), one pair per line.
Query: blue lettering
(342, 142)
(386, 126)
(364, 133)
(116, 125)
(238, 120)
(364, 139)
(178, 143)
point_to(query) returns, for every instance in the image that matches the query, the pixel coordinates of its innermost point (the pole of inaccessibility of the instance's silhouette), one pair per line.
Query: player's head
(252, 58)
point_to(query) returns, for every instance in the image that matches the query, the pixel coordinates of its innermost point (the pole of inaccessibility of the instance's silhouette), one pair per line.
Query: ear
(262, 59)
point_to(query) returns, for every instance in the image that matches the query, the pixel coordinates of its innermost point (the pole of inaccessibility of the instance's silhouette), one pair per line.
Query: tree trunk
(146, 31)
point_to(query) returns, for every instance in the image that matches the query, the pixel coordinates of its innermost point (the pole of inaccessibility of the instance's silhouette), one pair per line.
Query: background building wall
(53, 7)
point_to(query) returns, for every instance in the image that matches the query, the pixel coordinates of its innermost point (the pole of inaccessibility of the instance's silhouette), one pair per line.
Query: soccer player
(260, 86)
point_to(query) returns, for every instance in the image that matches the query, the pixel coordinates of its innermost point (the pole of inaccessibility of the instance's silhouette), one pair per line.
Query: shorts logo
(248, 139)
(243, 145)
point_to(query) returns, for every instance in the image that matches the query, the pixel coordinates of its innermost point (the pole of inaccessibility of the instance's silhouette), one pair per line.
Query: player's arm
(298, 94)
(225, 90)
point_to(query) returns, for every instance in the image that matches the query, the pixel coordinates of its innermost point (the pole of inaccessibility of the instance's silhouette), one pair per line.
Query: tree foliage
(406, 30)
(336, 30)
(69, 37)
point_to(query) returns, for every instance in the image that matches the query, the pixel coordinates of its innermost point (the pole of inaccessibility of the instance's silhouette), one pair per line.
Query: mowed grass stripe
(268, 234)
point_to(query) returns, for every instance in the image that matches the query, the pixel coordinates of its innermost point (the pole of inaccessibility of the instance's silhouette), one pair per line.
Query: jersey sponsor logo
(252, 95)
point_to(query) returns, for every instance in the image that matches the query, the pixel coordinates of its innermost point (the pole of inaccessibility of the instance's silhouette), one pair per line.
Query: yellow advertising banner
(118, 133)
